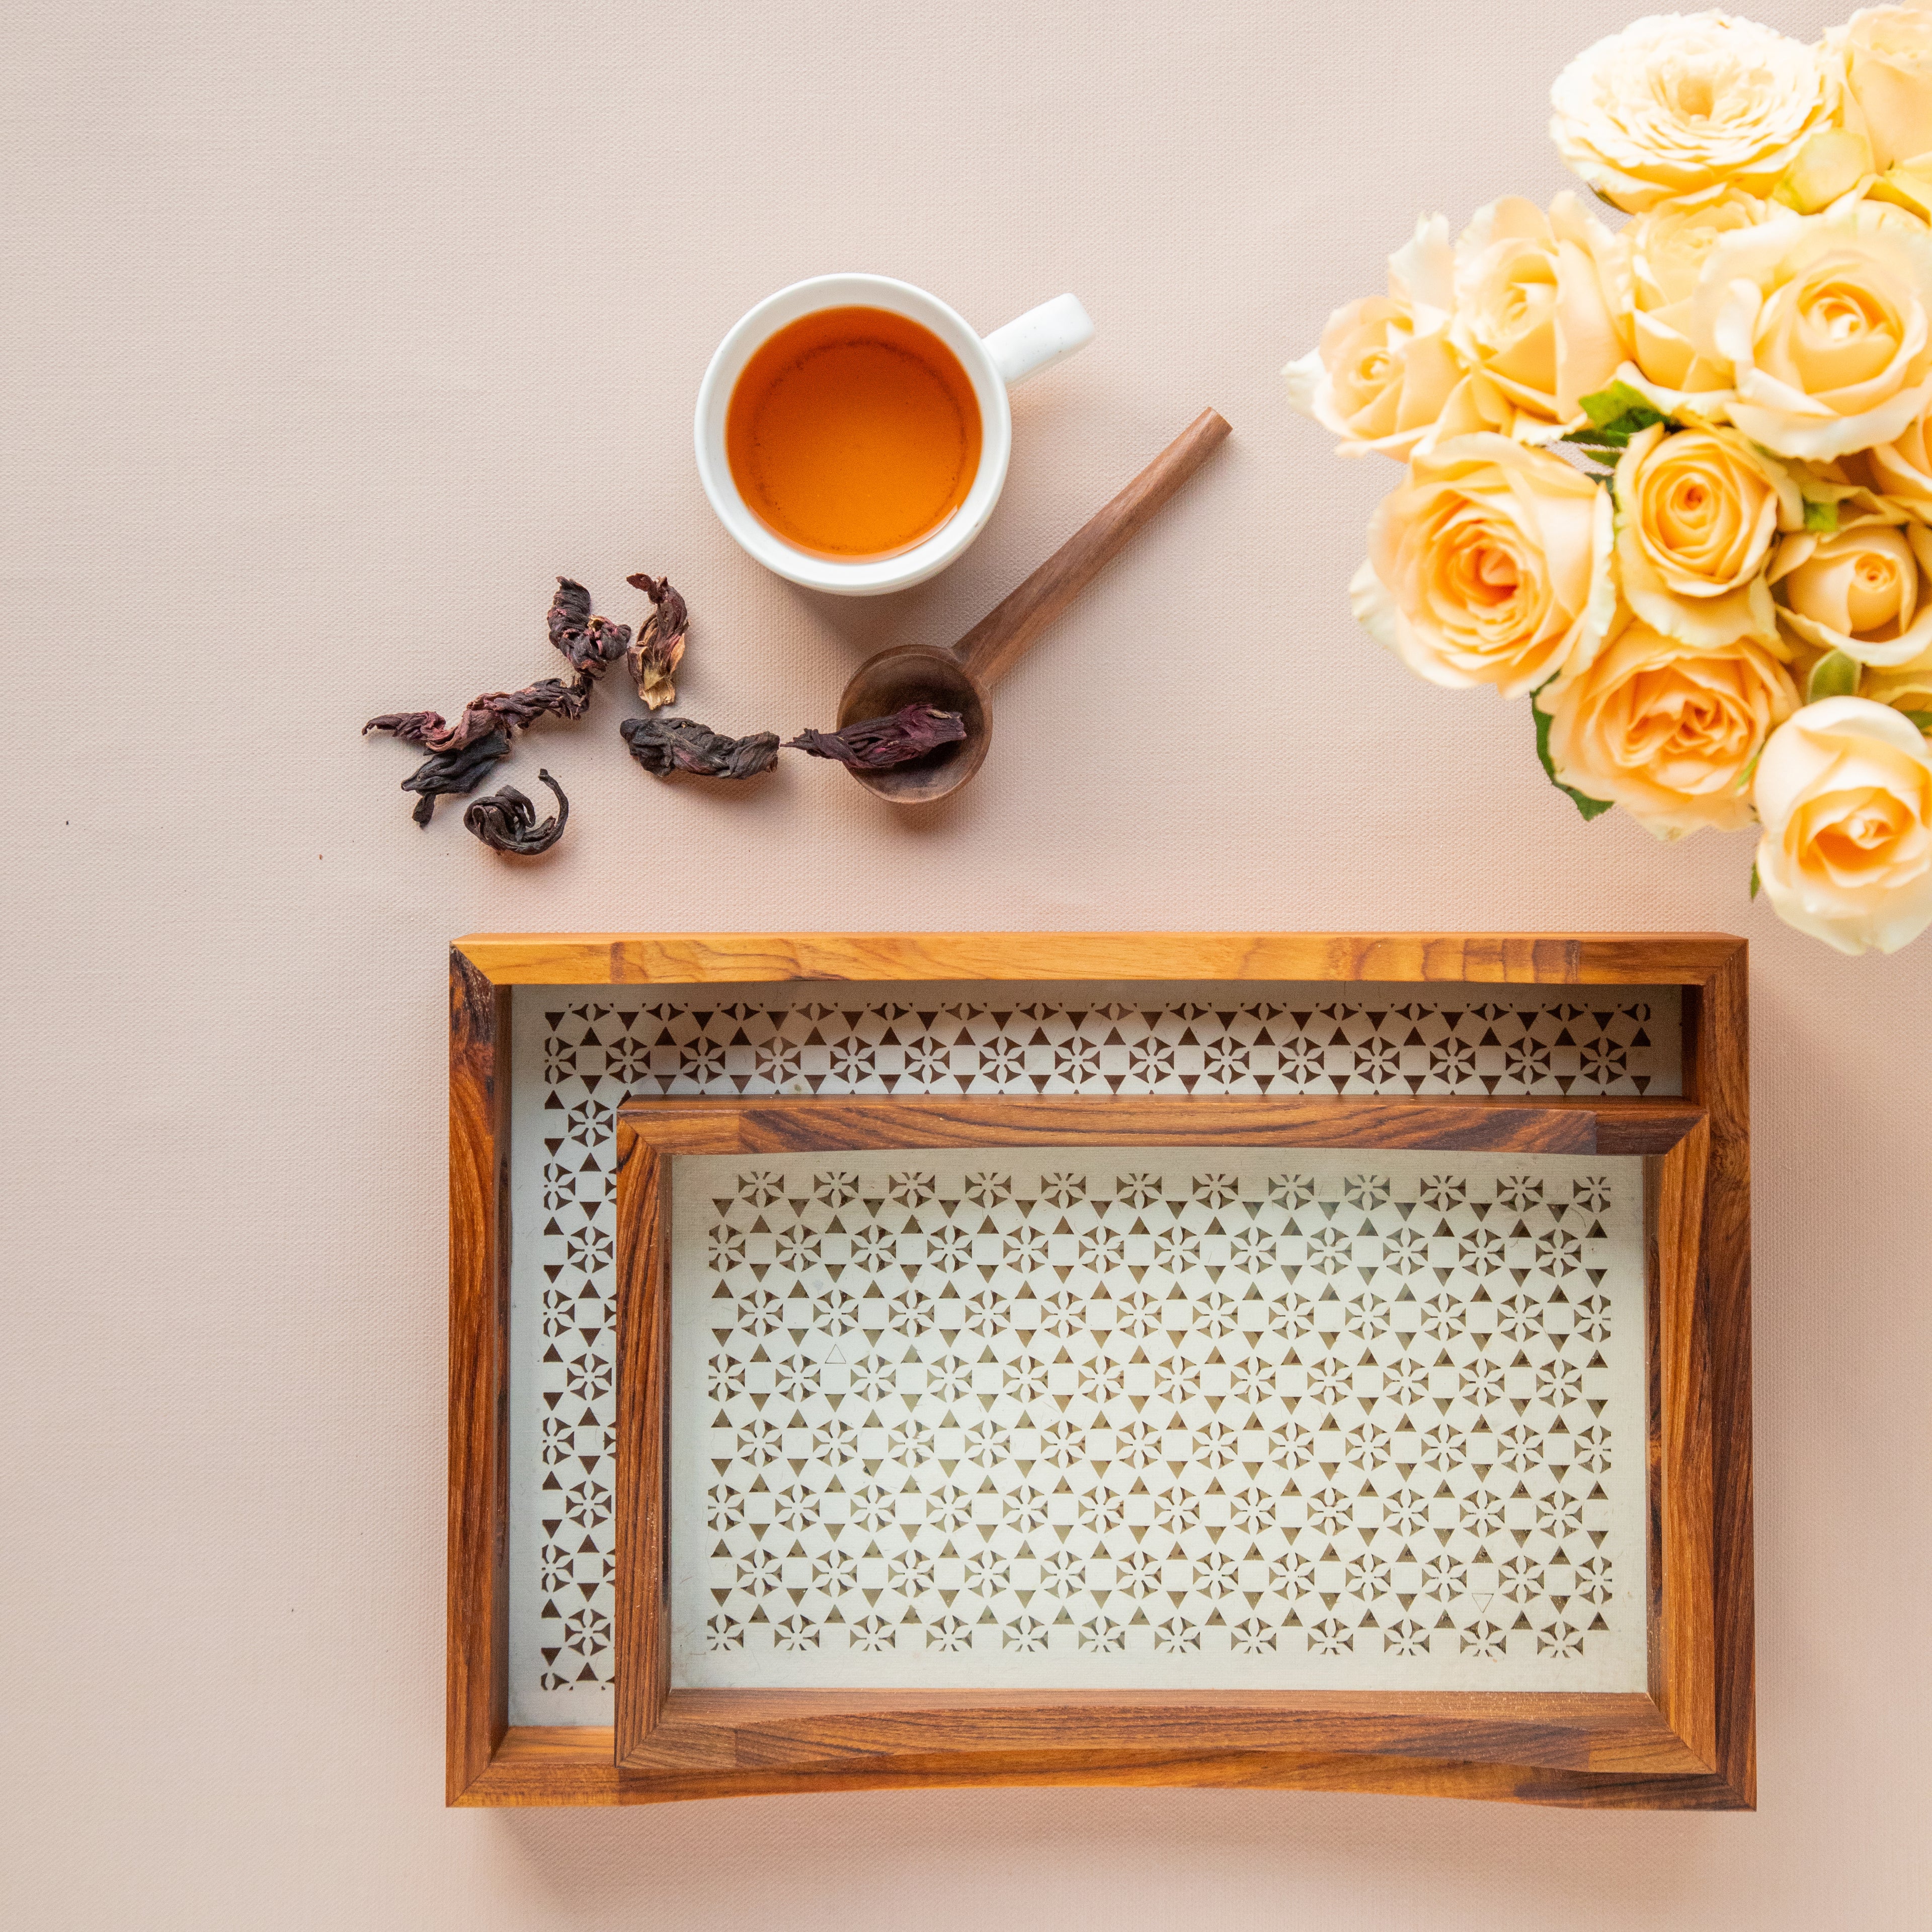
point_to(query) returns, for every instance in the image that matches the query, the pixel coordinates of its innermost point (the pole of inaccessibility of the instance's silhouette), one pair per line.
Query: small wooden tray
(1686, 1741)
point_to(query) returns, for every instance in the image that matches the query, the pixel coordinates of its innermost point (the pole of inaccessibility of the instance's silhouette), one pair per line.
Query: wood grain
(641, 1628)
(1719, 1081)
(567, 1766)
(730, 1730)
(636, 958)
(477, 1656)
(1683, 1637)
(997, 642)
(820, 1123)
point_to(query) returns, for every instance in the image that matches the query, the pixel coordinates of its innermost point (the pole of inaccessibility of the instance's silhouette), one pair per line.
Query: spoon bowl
(920, 674)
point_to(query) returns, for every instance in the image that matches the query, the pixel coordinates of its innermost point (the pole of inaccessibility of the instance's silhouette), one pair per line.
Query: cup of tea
(853, 431)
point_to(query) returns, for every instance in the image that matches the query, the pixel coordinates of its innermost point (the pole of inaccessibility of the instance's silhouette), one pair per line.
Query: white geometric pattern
(1157, 1417)
(578, 1052)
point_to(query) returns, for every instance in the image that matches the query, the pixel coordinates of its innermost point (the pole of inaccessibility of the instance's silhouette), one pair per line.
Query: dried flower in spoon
(874, 744)
(663, 745)
(654, 657)
(506, 821)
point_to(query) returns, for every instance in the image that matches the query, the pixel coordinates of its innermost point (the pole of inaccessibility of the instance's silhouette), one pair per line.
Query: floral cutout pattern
(1168, 1423)
(578, 1054)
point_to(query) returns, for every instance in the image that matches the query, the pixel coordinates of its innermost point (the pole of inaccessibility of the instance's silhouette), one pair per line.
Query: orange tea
(853, 433)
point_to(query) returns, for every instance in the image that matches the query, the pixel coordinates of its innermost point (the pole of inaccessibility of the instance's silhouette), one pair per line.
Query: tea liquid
(853, 433)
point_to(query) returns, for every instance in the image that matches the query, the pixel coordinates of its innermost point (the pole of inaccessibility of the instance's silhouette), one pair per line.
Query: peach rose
(1823, 321)
(1664, 253)
(1697, 513)
(1384, 368)
(1844, 789)
(1901, 470)
(1908, 689)
(1490, 565)
(1884, 56)
(1667, 730)
(1534, 320)
(1863, 591)
(1677, 108)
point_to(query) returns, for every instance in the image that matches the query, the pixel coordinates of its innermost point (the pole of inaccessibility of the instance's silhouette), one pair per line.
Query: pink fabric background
(333, 334)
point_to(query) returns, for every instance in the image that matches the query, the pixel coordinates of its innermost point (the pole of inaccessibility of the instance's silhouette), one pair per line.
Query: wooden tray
(1686, 1740)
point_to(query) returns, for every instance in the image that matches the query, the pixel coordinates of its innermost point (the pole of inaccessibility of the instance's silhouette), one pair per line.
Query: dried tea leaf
(495, 710)
(654, 657)
(874, 744)
(506, 821)
(663, 745)
(591, 643)
(455, 772)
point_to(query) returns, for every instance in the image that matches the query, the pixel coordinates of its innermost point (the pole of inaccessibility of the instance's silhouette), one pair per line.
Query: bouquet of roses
(1674, 482)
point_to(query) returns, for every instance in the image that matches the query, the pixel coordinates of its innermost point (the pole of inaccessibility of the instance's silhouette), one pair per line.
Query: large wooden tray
(1686, 1741)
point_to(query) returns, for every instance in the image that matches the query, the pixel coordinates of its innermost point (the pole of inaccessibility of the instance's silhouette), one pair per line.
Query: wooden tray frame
(1689, 1743)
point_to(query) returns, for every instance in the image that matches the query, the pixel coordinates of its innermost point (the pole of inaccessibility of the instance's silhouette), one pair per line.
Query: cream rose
(1823, 321)
(1884, 57)
(1844, 789)
(1534, 319)
(1901, 470)
(1679, 107)
(1697, 514)
(1663, 254)
(1863, 591)
(1490, 565)
(1907, 689)
(1667, 730)
(1383, 368)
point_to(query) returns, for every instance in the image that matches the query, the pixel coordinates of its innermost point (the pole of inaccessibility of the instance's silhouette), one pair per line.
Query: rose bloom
(1863, 591)
(1534, 320)
(1678, 108)
(1884, 56)
(1907, 688)
(1900, 470)
(1844, 789)
(1823, 321)
(1697, 514)
(1490, 565)
(1663, 254)
(1384, 368)
(1667, 730)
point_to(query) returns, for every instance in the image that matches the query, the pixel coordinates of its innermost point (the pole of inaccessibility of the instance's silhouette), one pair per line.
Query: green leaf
(1820, 516)
(1608, 409)
(1591, 808)
(1835, 675)
(1923, 719)
(1757, 885)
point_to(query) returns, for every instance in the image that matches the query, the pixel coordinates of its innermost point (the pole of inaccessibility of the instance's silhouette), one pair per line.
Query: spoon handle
(997, 642)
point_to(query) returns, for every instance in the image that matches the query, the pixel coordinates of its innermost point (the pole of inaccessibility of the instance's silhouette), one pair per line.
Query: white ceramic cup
(1041, 338)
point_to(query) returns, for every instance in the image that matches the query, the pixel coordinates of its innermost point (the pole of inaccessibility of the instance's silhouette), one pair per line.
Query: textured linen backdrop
(333, 335)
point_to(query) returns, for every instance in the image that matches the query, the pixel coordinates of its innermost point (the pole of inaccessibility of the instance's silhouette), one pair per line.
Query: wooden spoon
(961, 679)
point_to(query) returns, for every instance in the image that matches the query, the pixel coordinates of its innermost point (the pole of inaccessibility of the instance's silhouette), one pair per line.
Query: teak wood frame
(1688, 1743)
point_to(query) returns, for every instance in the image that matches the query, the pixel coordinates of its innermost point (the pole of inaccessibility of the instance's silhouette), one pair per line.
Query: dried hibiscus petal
(506, 821)
(874, 744)
(654, 657)
(457, 772)
(663, 745)
(591, 643)
(495, 710)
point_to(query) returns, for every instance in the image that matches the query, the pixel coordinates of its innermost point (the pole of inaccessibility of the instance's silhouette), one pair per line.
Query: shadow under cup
(854, 433)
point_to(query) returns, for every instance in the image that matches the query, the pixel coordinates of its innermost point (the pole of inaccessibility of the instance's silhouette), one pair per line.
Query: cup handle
(1041, 338)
